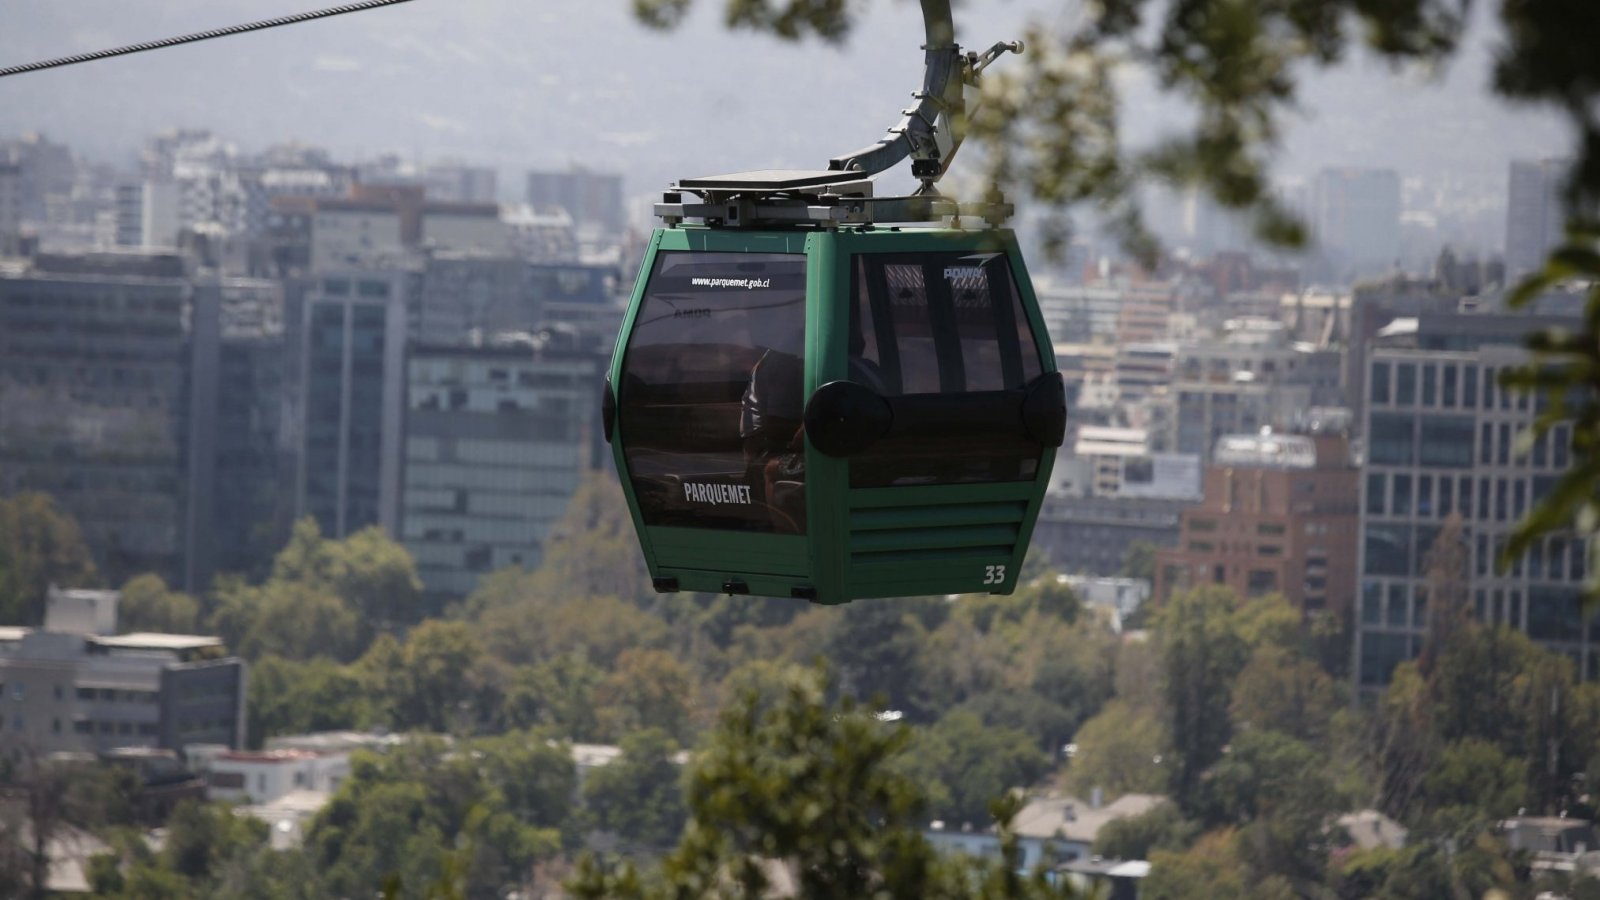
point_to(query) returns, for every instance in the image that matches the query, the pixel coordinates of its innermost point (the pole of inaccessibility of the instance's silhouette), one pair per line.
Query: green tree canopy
(640, 795)
(324, 598)
(647, 689)
(1203, 650)
(40, 545)
(1279, 690)
(1134, 837)
(288, 697)
(790, 785)
(1122, 750)
(964, 765)
(367, 570)
(149, 605)
(396, 818)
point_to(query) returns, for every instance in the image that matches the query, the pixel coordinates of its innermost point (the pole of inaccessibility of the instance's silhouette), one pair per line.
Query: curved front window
(711, 397)
(931, 326)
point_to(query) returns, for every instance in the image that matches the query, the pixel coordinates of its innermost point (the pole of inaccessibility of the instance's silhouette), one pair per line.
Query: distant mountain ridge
(538, 84)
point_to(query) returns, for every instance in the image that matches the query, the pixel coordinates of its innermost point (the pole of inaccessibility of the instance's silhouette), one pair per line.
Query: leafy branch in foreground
(799, 793)
(1051, 124)
(1564, 376)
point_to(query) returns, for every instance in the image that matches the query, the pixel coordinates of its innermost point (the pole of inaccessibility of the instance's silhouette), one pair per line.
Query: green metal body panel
(860, 543)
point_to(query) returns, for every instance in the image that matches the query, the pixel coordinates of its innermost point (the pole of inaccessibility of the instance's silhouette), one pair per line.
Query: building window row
(207, 689)
(198, 726)
(1401, 550)
(103, 727)
(1394, 605)
(1434, 385)
(115, 695)
(1423, 495)
(1403, 439)
(1559, 559)
(1497, 445)
(1449, 385)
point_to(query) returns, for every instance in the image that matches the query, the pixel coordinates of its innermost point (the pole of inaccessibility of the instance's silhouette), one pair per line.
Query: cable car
(821, 394)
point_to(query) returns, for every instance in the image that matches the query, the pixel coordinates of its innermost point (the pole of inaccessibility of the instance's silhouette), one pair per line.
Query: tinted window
(711, 397)
(1446, 442)
(925, 324)
(1391, 440)
(1380, 382)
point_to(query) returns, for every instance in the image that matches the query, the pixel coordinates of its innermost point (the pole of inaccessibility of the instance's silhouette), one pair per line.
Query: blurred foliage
(798, 794)
(639, 796)
(397, 816)
(40, 545)
(963, 765)
(1134, 837)
(1122, 750)
(1564, 377)
(1204, 647)
(1140, 561)
(1050, 123)
(324, 597)
(1279, 690)
(149, 605)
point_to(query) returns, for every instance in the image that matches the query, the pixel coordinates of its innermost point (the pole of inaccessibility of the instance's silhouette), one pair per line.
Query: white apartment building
(262, 776)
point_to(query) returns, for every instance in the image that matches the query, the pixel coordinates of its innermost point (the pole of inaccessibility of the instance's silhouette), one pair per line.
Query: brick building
(1280, 515)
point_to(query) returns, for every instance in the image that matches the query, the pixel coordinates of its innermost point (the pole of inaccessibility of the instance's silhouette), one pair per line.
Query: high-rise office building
(94, 357)
(460, 183)
(1440, 441)
(1533, 213)
(145, 398)
(593, 199)
(462, 293)
(236, 470)
(47, 172)
(348, 399)
(1356, 221)
(10, 208)
(494, 447)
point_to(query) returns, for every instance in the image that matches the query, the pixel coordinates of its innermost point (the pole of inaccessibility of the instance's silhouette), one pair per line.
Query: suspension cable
(197, 36)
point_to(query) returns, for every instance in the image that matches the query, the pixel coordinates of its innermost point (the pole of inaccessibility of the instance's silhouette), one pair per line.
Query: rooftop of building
(335, 741)
(589, 756)
(1370, 829)
(150, 640)
(1107, 868)
(1265, 451)
(1061, 817)
(1112, 434)
(267, 757)
(1074, 820)
(160, 265)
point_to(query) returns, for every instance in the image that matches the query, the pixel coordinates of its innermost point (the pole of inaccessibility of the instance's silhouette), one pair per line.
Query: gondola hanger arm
(932, 131)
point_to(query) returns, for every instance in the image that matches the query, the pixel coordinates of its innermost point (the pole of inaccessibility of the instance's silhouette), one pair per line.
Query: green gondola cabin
(834, 413)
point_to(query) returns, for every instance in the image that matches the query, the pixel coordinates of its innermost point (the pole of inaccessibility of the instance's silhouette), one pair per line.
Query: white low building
(262, 776)
(1120, 596)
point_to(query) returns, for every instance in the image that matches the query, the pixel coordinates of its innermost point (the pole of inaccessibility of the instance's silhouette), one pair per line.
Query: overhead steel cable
(197, 36)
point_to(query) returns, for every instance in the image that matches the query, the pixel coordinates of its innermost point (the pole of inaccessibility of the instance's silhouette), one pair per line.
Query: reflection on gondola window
(711, 398)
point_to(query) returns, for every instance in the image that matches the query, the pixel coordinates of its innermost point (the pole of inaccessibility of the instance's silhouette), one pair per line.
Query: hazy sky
(524, 83)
